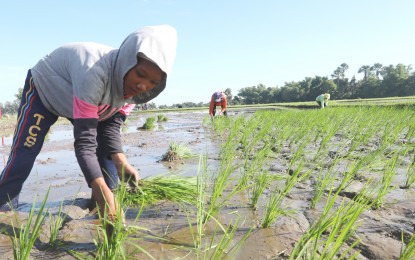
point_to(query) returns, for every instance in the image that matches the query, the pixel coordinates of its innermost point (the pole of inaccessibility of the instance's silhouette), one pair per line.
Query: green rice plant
(327, 134)
(161, 118)
(224, 248)
(408, 251)
(177, 152)
(261, 181)
(24, 239)
(222, 180)
(391, 132)
(386, 181)
(209, 248)
(200, 206)
(274, 207)
(323, 182)
(339, 223)
(221, 124)
(256, 165)
(345, 223)
(361, 133)
(113, 234)
(357, 167)
(178, 189)
(274, 210)
(410, 174)
(55, 224)
(149, 124)
(410, 133)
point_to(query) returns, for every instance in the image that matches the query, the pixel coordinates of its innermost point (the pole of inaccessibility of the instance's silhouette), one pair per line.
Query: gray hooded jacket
(85, 80)
(84, 83)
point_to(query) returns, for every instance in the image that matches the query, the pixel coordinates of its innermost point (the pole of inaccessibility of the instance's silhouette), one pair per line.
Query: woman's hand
(131, 174)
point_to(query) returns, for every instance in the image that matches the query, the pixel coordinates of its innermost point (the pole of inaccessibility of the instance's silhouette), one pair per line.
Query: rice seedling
(274, 207)
(361, 132)
(162, 118)
(386, 181)
(327, 134)
(408, 250)
(174, 188)
(177, 152)
(200, 206)
(149, 124)
(410, 174)
(221, 243)
(220, 124)
(24, 238)
(322, 183)
(411, 131)
(55, 224)
(222, 180)
(391, 132)
(261, 181)
(255, 165)
(224, 248)
(345, 223)
(362, 163)
(360, 137)
(339, 224)
(113, 234)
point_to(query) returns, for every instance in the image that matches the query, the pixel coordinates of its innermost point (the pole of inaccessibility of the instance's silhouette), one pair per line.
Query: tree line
(378, 81)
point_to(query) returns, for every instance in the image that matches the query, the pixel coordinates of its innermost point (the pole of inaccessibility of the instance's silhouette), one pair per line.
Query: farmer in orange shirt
(218, 99)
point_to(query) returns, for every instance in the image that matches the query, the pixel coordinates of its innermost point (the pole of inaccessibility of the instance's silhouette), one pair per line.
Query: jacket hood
(155, 43)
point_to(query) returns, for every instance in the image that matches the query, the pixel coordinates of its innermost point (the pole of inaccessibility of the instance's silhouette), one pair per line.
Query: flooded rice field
(56, 168)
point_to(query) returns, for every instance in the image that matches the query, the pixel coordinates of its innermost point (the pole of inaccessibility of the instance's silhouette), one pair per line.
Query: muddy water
(56, 168)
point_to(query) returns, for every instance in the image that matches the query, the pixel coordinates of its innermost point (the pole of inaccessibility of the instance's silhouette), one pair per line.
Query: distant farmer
(323, 100)
(95, 87)
(218, 99)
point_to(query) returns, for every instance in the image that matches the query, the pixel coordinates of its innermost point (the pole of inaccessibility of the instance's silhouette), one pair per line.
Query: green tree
(228, 93)
(19, 94)
(365, 69)
(377, 68)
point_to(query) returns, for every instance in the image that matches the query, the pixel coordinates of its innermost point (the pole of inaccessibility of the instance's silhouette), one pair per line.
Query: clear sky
(222, 43)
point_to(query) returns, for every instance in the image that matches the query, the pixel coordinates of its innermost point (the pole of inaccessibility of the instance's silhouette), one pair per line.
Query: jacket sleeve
(212, 104)
(223, 104)
(85, 133)
(109, 133)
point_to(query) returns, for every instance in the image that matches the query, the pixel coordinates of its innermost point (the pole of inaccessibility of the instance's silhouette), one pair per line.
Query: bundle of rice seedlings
(177, 152)
(149, 124)
(149, 191)
(161, 118)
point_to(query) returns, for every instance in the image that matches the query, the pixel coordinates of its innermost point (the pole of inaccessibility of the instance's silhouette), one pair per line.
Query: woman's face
(142, 78)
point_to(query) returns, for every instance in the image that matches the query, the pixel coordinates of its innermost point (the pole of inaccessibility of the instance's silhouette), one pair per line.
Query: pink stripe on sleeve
(82, 109)
(125, 110)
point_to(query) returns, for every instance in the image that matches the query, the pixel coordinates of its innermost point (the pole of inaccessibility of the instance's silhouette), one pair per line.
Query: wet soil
(56, 168)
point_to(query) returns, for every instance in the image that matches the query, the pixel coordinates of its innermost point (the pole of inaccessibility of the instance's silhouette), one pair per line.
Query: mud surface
(56, 167)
